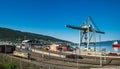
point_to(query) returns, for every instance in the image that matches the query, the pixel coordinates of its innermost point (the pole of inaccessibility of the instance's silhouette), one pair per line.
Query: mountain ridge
(12, 35)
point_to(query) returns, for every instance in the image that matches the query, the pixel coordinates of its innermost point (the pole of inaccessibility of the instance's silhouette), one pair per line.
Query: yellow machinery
(21, 54)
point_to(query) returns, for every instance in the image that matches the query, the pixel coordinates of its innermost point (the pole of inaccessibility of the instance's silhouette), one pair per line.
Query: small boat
(115, 44)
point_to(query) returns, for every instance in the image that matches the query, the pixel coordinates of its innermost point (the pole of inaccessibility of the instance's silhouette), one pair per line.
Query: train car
(22, 54)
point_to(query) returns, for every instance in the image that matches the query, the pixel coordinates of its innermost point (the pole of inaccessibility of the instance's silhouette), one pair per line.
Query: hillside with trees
(7, 34)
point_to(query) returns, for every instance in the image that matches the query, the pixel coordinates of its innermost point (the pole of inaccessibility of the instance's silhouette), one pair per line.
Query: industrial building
(7, 48)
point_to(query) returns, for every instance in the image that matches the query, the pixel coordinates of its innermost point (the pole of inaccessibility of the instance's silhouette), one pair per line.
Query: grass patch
(8, 62)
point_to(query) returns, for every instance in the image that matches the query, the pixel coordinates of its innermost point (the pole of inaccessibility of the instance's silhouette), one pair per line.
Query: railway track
(66, 62)
(86, 60)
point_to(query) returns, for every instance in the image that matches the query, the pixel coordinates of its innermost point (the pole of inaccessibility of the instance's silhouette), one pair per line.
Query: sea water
(102, 46)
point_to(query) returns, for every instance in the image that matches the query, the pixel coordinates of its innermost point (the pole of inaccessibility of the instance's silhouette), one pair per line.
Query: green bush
(2, 66)
(7, 66)
(10, 66)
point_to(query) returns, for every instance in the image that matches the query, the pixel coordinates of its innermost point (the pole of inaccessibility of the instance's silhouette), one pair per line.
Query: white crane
(86, 32)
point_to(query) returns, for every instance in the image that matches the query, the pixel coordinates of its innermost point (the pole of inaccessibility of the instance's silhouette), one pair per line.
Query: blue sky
(49, 17)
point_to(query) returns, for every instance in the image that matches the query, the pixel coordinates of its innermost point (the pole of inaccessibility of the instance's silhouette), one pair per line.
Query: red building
(63, 47)
(55, 47)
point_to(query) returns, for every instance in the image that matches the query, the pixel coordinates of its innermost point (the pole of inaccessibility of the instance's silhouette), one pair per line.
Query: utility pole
(20, 63)
(100, 52)
(20, 58)
(49, 51)
(94, 40)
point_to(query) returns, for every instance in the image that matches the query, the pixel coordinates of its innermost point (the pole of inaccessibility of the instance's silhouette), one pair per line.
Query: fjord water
(102, 46)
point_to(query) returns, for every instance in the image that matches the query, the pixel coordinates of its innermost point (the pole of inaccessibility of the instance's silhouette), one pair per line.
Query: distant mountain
(13, 35)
